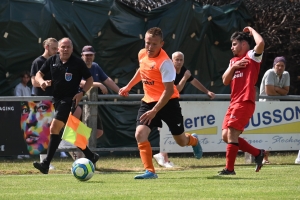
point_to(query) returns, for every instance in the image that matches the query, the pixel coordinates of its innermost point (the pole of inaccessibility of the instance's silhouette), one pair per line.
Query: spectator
(99, 77)
(22, 90)
(275, 82)
(182, 76)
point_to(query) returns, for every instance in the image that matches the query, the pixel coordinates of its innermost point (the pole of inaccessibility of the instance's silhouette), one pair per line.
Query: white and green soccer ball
(83, 169)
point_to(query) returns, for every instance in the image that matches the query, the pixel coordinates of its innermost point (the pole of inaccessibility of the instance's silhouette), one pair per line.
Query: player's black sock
(87, 152)
(53, 144)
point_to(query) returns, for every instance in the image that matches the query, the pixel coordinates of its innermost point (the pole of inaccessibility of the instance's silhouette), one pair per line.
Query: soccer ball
(83, 169)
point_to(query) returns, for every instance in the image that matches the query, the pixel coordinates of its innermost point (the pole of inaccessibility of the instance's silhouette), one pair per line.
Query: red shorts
(238, 115)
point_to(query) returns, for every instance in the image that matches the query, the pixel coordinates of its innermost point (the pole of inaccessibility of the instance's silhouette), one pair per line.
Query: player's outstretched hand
(124, 91)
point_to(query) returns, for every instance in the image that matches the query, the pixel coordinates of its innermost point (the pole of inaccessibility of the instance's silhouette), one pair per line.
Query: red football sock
(146, 155)
(246, 147)
(231, 153)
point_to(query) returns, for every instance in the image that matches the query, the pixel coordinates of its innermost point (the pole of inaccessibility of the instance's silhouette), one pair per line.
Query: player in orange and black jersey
(160, 101)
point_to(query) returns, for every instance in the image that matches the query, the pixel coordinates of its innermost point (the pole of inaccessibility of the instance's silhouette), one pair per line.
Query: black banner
(11, 136)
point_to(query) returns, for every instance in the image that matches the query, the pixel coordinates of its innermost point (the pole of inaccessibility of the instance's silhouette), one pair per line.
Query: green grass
(192, 179)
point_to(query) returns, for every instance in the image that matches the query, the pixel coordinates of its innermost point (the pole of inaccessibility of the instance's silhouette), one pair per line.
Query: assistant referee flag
(76, 132)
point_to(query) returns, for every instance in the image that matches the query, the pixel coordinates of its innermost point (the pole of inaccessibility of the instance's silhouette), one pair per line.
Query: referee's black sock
(53, 144)
(87, 152)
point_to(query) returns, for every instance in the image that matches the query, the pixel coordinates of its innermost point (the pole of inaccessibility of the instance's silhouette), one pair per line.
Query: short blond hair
(48, 41)
(155, 31)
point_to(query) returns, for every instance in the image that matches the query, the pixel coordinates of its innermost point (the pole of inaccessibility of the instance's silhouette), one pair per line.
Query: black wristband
(83, 92)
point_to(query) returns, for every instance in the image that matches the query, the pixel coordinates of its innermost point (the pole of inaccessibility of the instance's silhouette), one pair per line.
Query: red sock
(146, 155)
(231, 153)
(246, 147)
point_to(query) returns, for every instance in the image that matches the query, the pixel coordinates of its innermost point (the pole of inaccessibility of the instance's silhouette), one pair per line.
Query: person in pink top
(242, 75)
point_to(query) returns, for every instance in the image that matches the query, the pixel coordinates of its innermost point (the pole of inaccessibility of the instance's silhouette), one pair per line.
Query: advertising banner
(11, 136)
(273, 126)
(25, 127)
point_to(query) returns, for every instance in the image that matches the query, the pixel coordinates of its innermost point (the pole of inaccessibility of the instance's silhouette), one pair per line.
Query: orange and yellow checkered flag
(76, 132)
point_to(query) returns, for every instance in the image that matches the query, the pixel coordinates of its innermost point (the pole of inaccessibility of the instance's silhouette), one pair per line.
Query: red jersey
(244, 79)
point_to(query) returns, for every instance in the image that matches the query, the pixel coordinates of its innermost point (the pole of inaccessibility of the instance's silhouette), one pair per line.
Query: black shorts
(62, 109)
(170, 114)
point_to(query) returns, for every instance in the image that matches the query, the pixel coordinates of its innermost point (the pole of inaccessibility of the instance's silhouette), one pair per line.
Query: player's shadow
(187, 178)
(228, 177)
(91, 181)
(113, 170)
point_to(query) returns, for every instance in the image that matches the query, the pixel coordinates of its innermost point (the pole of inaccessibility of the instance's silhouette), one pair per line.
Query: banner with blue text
(273, 126)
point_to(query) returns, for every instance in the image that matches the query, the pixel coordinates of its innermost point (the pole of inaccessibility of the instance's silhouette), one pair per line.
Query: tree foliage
(278, 21)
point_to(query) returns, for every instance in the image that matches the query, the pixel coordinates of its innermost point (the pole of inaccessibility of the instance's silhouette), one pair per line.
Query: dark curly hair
(240, 36)
(25, 73)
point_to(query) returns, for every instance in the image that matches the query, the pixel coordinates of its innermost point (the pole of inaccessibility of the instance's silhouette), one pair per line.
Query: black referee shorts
(62, 108)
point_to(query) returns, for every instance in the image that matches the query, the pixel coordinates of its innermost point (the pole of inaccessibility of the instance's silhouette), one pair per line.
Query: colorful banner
(273, 126)
(25, 127)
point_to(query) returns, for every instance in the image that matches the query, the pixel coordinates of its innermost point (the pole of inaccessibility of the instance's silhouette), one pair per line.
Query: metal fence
(91, 101)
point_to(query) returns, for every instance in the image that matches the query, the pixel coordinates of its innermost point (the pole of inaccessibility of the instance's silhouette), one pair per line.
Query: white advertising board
(273, 126)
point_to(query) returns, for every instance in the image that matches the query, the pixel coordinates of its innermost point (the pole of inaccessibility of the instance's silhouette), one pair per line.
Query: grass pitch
(190, 179)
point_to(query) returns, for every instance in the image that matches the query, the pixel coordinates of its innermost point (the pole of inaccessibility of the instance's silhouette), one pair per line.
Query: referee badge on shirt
(68, 76)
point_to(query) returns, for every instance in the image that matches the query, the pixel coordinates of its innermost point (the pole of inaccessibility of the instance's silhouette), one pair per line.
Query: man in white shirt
(275, 82)
(22, 89)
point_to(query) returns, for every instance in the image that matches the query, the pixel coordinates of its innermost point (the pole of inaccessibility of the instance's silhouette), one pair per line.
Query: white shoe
(168, 164)
(63, 155)
(265, 162)
(159, 159)
(51, 167)
(297, 161)
(23, 156)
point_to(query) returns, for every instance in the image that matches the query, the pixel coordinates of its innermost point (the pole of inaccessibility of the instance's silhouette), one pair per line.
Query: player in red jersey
(242, 75)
